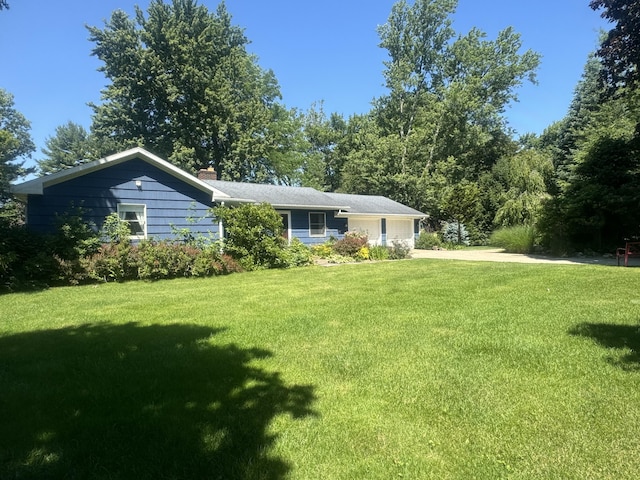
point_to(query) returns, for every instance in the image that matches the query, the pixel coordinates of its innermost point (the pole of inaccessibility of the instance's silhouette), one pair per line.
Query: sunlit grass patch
(413, 369)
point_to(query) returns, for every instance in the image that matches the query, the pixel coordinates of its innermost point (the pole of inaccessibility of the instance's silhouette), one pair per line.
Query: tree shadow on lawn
(614, 337)
(132, 401)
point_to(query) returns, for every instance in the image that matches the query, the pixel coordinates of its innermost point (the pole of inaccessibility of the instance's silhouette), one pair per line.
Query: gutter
(342, 214)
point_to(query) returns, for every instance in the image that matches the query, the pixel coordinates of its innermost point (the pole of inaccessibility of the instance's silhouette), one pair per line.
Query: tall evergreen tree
(595, 150)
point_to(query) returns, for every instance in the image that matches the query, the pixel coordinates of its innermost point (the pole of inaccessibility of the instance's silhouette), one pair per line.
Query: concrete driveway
(498, 255)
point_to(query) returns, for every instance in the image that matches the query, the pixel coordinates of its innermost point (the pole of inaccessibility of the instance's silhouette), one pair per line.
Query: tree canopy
(597, 174)
(620, 50)
(15, 144)
(442, 121)
(184, 86)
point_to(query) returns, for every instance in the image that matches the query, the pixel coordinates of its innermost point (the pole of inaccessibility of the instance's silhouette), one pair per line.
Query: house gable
(168, 199)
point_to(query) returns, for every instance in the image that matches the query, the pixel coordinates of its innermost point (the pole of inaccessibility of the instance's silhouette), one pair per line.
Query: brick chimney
(207, 174)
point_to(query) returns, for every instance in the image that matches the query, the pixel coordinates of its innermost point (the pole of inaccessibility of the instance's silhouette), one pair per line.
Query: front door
(286, 224)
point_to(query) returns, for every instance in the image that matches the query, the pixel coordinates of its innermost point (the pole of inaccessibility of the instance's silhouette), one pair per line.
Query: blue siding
(336, 227)
(168, 199)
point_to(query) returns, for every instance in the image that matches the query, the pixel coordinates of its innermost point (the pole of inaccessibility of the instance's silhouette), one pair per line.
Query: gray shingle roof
(284, 196)
(374, 205)
(276, 195)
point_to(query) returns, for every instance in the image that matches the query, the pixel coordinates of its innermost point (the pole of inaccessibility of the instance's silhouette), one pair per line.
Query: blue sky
(319, 51)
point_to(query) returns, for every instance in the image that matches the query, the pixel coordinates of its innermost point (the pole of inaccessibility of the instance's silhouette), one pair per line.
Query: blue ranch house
(156, 198)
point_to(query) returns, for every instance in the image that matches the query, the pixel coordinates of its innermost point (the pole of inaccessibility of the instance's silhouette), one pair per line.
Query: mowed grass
(408, 369)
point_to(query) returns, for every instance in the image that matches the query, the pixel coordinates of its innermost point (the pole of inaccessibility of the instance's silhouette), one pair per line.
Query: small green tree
(462, 204)
(70, 146)
(525, 178)
(253, 235)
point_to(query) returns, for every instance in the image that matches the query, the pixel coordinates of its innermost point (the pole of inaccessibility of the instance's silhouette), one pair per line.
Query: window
(136, 217)
(317, 224)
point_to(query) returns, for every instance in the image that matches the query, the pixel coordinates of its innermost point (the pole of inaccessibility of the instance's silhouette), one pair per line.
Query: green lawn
(410, 369)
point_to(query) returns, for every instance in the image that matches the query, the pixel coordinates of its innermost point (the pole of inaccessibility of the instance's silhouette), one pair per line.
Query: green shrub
(113, 261)
(253, 235)
(75, 237)
(298, 254)
(428, 240)
(26, 259)
(399, 250)
(30, 259)
(73, 240)
(209, 263)
(74, 255)
(156, 260)
(518, 239)
(115, 230)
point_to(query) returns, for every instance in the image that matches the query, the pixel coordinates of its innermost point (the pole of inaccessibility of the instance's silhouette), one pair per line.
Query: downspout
(221, 226)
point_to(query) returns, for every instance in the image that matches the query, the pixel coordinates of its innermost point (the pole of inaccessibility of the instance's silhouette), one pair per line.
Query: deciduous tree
(442, 120)
(620, 50)
(525, 179)
(324, 156)
(184, 86)
(15, 144)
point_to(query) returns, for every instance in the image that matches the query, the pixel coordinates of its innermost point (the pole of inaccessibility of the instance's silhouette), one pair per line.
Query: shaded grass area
(133, 401)
(413, 369)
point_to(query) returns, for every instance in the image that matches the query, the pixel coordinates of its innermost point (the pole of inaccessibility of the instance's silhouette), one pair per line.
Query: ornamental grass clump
(517, 239)
(378, 252)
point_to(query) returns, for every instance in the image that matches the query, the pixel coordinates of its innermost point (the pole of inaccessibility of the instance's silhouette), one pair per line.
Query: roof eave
(310, 206)
(385, 215)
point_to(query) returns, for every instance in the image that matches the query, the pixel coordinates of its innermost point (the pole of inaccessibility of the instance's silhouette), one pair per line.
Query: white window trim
(324, 230)
(126, 207)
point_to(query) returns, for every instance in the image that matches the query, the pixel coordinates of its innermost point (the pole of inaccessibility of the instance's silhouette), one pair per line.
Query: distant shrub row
(452, 235)
(31, 260)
